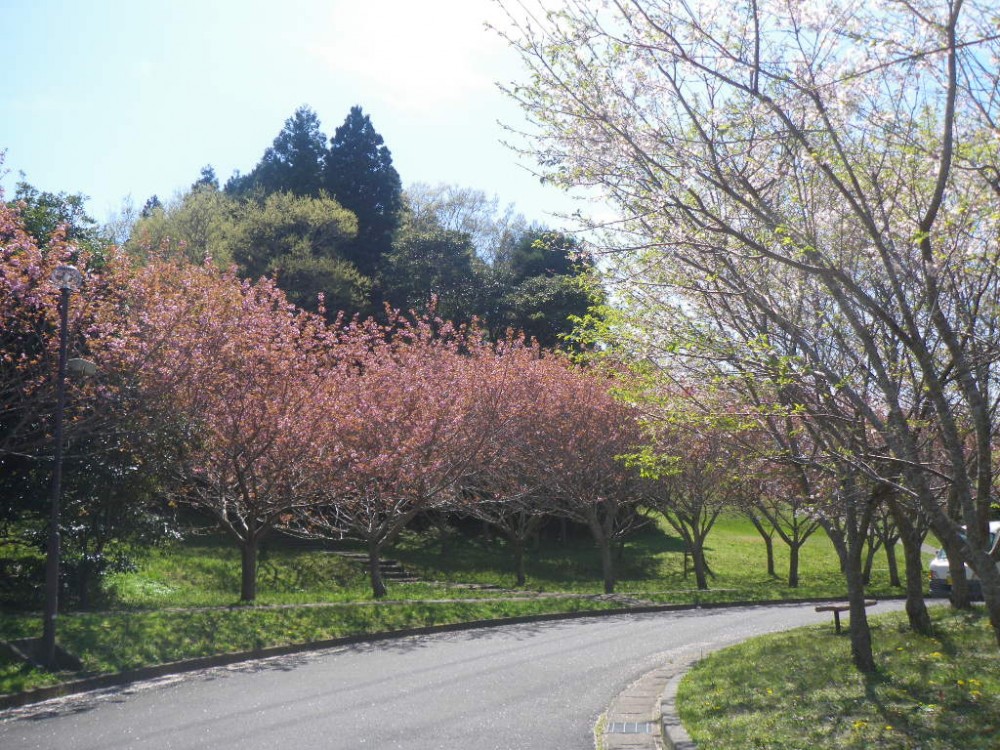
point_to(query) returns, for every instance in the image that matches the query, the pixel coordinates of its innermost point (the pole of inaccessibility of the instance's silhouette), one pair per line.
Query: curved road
(538, 686)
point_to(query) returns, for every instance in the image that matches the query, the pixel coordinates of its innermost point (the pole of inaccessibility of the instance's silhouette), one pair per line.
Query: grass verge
(117, 642)
(799, 690)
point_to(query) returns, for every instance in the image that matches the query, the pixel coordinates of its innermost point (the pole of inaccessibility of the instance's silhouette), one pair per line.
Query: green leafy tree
(543, 253)
(494, 229)
(46, 215)
(358, 173)
(194, 226)
(300, 241)
(110, 513)
(523, 277)
(43, 212)
(432, 262)
(304, 278)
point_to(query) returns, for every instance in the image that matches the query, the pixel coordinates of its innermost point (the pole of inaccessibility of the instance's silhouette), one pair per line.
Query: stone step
(392, 570)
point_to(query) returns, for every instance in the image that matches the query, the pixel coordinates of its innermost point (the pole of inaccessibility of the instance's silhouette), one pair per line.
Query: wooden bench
(839, 607)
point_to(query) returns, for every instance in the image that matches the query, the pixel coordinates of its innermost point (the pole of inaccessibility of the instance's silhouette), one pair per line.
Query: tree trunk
(793, 566)
(379, 590)
(991, 594)
(700, 566)
(960, 596)
(607, 565)
(768, 543)
(83, 581)
(870, 561)
(248, 581)
(916, 610)
(861, 634)
(912, 538)
(989, 579)
(769, 547)
(849, 546)
(890, 558)
(518, 545)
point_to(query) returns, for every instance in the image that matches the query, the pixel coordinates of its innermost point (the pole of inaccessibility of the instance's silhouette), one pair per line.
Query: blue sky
(113, 98)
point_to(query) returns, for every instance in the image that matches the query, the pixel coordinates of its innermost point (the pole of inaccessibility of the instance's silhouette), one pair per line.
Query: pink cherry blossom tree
(29, 335)
(583, 436)
(408, 425)
(506, 487)
(240, 378)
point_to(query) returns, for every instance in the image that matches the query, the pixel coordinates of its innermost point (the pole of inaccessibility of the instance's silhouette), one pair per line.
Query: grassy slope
(147, 618)
(799, 690)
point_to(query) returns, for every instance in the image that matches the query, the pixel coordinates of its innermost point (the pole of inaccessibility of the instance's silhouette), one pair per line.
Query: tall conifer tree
(292, 164)
(359, 174)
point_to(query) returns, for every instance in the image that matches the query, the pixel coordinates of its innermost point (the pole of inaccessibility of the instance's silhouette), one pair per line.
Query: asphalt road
(537, 686)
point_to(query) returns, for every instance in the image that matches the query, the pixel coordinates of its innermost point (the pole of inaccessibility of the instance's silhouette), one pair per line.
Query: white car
(940, 575)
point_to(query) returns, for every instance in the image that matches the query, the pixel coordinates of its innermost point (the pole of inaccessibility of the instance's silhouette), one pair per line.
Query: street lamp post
(68, 279)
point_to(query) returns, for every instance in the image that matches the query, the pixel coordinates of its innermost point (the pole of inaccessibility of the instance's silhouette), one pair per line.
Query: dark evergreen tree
(292, 164)
(432, 262)
(150, 207)
(539, 287)
(358, 172)
(207, 179)
(539, 252)
(238, 185)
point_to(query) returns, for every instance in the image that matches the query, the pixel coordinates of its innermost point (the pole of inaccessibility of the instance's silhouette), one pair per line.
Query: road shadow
(79, 703)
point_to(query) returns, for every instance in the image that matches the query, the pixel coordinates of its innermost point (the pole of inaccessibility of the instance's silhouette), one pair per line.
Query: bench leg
(836, 620)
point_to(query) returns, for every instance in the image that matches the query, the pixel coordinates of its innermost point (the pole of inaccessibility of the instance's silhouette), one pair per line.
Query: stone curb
(675, 736)
(86, 684)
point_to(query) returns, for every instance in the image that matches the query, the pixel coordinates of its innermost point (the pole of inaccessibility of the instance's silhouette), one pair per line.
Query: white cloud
(416, 55)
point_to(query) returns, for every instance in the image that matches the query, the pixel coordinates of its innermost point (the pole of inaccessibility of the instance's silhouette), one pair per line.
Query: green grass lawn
(799, 690)
(651, 566)
(205, 571)
(180, 603)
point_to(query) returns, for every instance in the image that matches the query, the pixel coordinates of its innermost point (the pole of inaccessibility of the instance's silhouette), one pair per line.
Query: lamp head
(67, 277)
